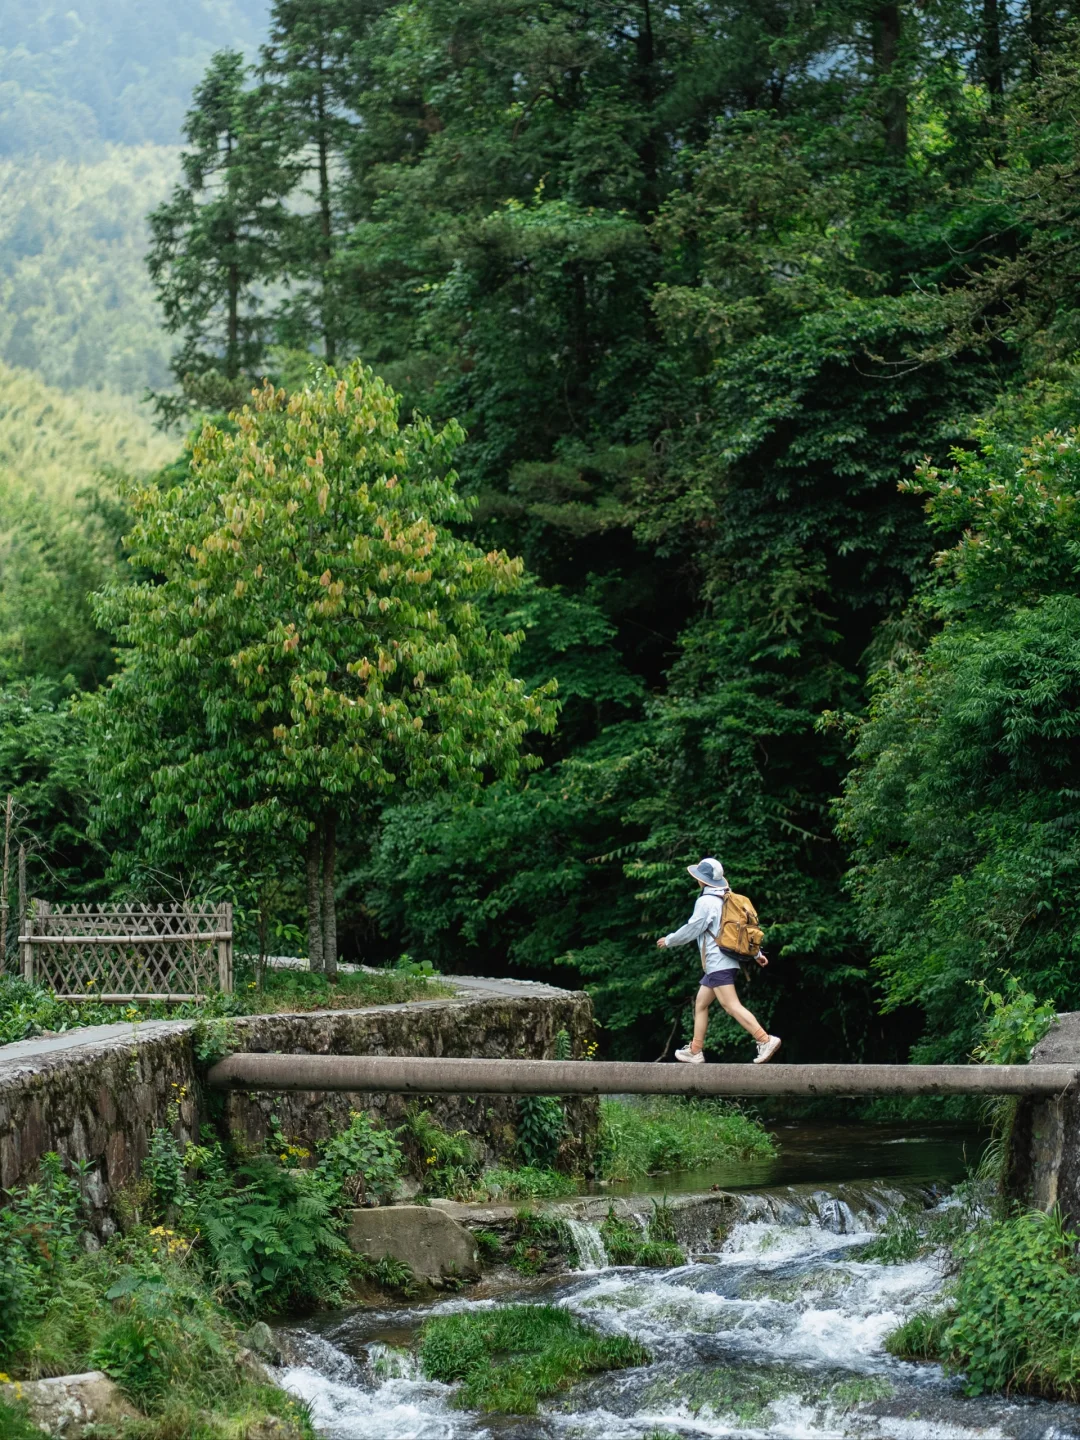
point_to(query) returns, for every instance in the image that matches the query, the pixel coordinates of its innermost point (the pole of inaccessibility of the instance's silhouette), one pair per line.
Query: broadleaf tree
(311, 640)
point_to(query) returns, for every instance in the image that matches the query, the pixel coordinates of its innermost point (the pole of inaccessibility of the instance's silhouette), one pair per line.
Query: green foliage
(216, 242)
(294, 693)
(14, 1424)
(662, 1134)
(39, 1231)
(388, 1274)
(271, 1234)
(488, 1243)
(1014, 1022)
(656, 1248)
(523, 1182)
(73, 248)
(511, 1357)
(1012, 1324)
(140, 1309)
(540, 1129)
(539, 1240)
(960, 809)
(362, 1161)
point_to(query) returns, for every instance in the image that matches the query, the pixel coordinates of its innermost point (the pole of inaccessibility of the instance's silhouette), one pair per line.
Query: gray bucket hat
(709, 872)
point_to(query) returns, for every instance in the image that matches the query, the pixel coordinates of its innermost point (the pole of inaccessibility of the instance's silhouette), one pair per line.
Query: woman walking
(726, 929)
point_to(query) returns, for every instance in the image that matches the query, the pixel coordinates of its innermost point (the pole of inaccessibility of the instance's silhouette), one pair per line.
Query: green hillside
(59, 523)
(52, 445)
(111, 70)
(75, 300)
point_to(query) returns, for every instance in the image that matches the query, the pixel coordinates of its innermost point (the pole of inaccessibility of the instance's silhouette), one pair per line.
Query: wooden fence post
(224, 951)
(26, 928)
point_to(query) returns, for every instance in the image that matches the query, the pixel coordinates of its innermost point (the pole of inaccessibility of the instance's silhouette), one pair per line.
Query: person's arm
(694, 928)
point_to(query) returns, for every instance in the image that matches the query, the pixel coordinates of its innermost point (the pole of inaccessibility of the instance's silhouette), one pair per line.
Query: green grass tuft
(667, 1133)
(509, 1358)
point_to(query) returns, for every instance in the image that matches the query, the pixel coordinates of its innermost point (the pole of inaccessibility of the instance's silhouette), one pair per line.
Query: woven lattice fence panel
(174, 952)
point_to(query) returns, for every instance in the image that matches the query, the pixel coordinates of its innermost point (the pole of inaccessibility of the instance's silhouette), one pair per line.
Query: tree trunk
(5, 907)
(329, 910)
(992, 68)
(326, 225)
(314, 899)
(264, 933)
(894, 97)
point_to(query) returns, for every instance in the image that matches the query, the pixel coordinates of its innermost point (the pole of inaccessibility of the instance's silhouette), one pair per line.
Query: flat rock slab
(433, 1244)
(69, 1404)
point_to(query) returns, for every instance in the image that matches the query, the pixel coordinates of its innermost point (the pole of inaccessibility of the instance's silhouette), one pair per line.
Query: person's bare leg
(704, 999)
(738, 1012)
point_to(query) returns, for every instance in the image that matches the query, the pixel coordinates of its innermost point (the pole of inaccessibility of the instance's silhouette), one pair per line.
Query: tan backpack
(740, 933)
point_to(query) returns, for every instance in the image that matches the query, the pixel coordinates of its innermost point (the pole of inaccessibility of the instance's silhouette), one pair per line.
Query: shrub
(665, 1133)
(363, 1160)
(1014, 1323)
(540, 1129)
(509, 1358)
(273, 1237)
(39, 1230)
(525, 1183)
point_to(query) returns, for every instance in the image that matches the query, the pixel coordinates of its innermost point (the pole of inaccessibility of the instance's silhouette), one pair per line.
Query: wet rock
(70, 1405)
(261, 1340)
(433, 1246)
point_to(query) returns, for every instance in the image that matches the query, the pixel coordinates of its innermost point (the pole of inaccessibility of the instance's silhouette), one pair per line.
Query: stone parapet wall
(95, 1096)
(520, 1026)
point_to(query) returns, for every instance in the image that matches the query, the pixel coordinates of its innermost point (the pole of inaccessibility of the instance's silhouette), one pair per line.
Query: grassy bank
(509, 1358)
(661, 1134)
(27, 1010)
(153, 1308)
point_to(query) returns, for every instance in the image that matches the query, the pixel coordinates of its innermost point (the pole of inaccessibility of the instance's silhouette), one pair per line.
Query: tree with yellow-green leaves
(311, 640)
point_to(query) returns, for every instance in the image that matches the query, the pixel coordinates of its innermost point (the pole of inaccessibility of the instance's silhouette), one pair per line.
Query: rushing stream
(775, 1332)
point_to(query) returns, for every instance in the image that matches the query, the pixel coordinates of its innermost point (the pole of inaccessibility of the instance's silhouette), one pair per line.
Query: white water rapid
(774, 1335)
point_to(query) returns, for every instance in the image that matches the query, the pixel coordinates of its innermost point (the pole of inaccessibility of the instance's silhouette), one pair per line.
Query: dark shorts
(719, 977)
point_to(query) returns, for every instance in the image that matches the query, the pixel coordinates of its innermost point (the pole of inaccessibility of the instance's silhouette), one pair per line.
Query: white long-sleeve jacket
(704, 926)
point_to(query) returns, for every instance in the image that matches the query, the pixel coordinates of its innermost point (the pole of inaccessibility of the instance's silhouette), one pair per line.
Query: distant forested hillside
(52, 445)
(76, 303)
(120, 70)
(60, 521)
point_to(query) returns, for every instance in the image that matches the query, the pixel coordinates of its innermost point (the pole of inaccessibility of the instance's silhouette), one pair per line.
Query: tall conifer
(216, 243)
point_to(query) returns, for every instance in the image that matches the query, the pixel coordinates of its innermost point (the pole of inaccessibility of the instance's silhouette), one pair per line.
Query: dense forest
(759, 324)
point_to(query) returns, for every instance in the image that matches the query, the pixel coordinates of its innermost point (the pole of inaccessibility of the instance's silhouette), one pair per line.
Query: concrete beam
(411, 1075)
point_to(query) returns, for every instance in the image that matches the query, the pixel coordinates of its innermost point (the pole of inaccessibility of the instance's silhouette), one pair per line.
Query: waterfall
(588, 1244)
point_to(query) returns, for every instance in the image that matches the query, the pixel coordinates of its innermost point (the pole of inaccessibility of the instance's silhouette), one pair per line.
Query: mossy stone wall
(95, 1096)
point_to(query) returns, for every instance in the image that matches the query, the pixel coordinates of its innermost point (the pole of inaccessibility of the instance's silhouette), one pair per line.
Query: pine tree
(216, 243)
(306, 65)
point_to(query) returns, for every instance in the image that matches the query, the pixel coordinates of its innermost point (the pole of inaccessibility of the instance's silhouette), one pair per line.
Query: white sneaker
(692, 1057)
(766, 1049)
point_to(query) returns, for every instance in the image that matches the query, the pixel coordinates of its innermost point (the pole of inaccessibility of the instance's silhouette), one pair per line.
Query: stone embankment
(1044, 1168)
(95, 1095)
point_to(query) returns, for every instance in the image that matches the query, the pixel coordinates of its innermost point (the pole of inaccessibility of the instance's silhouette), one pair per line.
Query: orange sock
(761, 1036)
(695, 1048)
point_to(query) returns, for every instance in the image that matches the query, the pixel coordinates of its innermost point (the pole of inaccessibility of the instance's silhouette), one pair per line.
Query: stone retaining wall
(96, 1095)
(1044, 1163)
